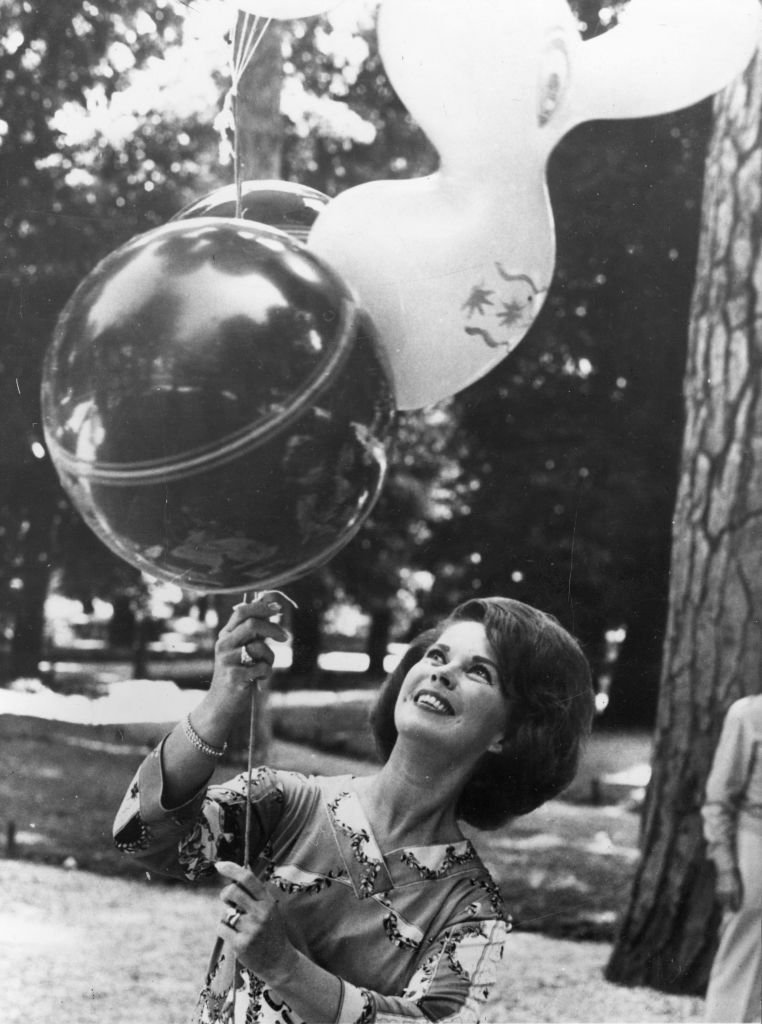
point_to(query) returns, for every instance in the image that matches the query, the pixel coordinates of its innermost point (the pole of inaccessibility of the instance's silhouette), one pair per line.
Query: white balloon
(285, 9)
(664, 55)
(454, 268)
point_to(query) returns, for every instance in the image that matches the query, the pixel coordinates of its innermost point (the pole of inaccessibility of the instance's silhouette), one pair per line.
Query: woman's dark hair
(545, 677)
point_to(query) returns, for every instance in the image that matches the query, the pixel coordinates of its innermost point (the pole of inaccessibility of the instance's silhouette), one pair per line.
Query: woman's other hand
(253, 926)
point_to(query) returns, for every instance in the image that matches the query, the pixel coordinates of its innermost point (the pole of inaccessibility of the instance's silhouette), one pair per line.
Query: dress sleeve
(450, 984)
(186, 841)
(725, 788)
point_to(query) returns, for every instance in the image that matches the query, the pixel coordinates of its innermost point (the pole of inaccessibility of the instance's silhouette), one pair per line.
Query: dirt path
(78, 948)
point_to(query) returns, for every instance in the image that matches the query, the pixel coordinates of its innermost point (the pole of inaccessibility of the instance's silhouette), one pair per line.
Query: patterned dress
(414, 933)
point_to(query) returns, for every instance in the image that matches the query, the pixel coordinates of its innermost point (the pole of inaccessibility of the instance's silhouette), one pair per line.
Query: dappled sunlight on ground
(142, 700)
(134, 700)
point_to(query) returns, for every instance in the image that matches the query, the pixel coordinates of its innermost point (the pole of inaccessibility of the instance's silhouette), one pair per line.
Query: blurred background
(552, 480)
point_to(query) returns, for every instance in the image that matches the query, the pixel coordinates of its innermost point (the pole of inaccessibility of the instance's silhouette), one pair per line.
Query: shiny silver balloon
(216, 407)
(285, 205)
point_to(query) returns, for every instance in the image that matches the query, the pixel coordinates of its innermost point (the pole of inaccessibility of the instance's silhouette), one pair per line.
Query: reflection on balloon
(454, 268)
(215, 407)
(285, 9)
(280, 204)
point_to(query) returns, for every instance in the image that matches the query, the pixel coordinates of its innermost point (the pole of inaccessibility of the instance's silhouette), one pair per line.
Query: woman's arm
(725, 788)
(450, 984)
(186, 766)
(164, 819)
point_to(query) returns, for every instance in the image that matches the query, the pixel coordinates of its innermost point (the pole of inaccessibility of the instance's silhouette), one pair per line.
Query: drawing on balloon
(510, 309)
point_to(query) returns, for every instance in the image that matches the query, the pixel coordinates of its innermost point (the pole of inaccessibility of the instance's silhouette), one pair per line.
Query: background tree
(80, 172)
(714, 641)
(56, 217)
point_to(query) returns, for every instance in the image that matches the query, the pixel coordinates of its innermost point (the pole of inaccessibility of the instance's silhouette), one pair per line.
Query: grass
(564, 870)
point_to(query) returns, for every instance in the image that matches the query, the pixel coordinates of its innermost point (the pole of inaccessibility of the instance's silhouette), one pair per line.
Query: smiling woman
(363, 900)
(539, 671)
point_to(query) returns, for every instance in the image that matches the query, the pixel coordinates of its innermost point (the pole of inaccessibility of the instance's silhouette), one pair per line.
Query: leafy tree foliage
(63, 204)
(376, 138)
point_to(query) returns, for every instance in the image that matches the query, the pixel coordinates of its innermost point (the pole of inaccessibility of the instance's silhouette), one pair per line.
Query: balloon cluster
(219, 392)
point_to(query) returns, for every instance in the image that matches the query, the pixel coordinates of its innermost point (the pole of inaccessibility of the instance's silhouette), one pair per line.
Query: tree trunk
(122, 627)
(307, 626)
(713, 647)
(635, 686)
(28, 644)
(36, 519)
(143, 631)
(378, 639)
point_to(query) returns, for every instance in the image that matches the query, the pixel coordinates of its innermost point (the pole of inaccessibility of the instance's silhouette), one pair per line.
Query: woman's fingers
(257, 653)
(252, 922)
(251, 621)
(242, 655)
(243, 877)
(244, 895)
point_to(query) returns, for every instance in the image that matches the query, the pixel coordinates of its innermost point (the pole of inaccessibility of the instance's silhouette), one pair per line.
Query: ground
(80, 948)
(84, 937)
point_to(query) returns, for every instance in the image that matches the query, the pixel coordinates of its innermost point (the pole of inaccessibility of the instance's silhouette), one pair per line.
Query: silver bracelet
(196, 741)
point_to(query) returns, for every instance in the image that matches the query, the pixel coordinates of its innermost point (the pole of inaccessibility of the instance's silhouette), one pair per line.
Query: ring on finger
(232, 918)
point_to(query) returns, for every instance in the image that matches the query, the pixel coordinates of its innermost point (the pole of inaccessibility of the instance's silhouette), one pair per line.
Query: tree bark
(28, 644)
(307, 627)
(36, 518)
(713, 646)
(121, 628)
(635, 686)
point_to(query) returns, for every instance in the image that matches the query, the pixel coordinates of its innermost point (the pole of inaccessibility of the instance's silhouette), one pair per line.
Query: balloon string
(250, 772)
(245, 27)
(247, 36)
(237, 176)
(247, 820)
(230, 1012)
(250, 762)
(245, 40)
(255, 596)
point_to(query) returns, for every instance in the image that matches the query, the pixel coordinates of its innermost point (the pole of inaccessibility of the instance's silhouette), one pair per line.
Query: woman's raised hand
(242, 656)
(192, 746)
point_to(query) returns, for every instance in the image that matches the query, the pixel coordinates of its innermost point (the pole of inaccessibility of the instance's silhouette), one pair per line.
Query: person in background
(363, 901)
(732, 814)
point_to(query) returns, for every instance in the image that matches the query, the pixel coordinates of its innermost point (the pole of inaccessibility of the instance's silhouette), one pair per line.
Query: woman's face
(453, 695)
